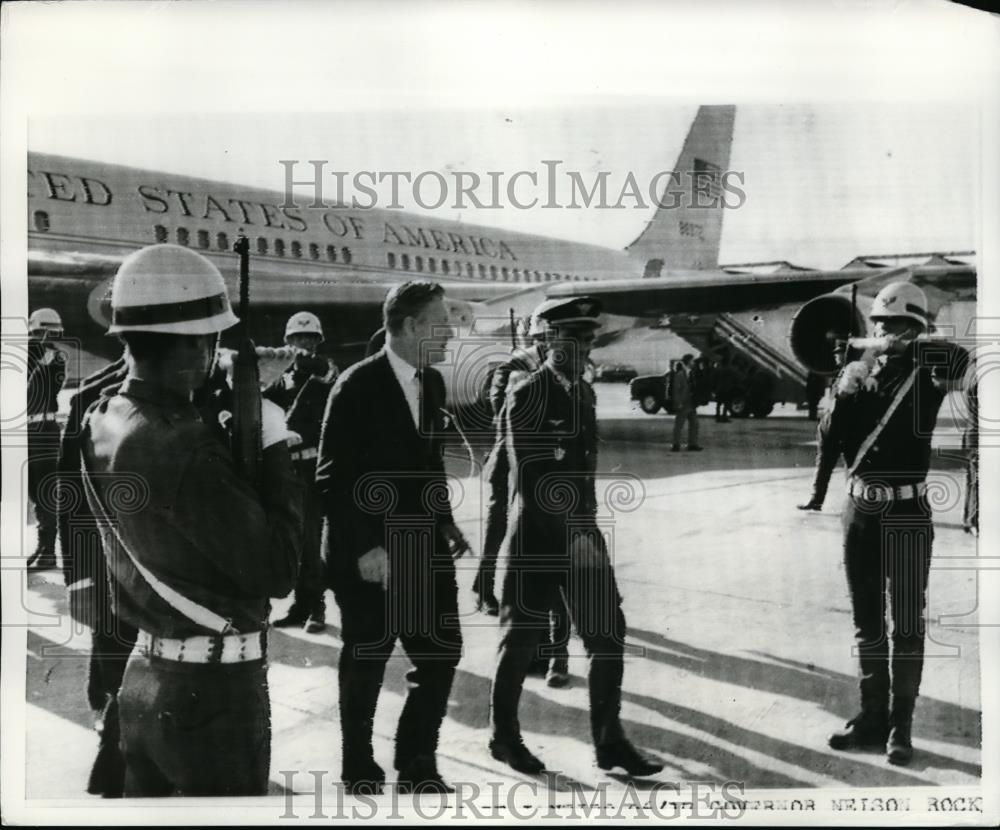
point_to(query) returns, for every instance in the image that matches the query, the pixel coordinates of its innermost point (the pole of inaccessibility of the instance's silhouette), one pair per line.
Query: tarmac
(739, 631)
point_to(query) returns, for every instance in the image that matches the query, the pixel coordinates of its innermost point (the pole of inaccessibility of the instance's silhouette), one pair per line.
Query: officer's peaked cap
(579, 311)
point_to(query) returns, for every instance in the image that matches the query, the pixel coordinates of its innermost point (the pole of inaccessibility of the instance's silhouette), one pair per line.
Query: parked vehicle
(615, 372)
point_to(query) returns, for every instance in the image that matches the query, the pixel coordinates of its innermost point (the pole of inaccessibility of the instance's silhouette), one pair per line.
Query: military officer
(556, 548)
(496, 470)
(881, 420)
(46, 375)
(194, 550)
(302, 392)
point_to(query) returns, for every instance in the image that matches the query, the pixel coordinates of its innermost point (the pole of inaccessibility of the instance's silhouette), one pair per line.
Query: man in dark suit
(390, 538)
(685, 404)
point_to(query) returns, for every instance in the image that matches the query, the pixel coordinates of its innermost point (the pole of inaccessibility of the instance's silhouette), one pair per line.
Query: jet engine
(821, 323)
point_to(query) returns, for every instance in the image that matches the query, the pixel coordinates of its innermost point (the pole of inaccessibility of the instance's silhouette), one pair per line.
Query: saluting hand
(374, 567)
(456, 541)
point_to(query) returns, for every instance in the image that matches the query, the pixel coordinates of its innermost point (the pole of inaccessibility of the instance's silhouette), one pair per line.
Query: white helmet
(901, 299)
(171, 290)
(44, 319)
(303, 322)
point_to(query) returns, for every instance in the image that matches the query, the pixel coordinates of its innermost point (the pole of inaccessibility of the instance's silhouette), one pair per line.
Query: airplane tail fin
(686, 229)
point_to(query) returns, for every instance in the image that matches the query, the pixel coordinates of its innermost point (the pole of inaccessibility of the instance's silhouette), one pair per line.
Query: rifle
(513, 331)
(246, 435)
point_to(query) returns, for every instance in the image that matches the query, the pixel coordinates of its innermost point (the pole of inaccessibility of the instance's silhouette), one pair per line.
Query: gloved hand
(272, 423)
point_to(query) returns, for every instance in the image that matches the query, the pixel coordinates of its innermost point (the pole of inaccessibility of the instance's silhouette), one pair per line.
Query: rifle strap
(875, 433)
(198, 614)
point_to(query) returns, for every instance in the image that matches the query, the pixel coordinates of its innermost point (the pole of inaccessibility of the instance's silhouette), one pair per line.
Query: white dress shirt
(409, 382)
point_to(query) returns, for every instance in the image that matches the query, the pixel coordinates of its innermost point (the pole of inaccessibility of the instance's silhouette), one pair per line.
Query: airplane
(84, 217)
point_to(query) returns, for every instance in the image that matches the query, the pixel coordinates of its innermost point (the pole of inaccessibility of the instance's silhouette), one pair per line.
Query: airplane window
(331, 253)
(222, 242)
(482, 271)
(405, 258)
(432, 264)
(493, 272)
(418, 263)
(203, 241)
(345, 253)
(297, 249)
(262, 245)
(517, 274)
(183, 237)
(390, 259)
(505, 274)
(445, 266)
(470, 270)
(41, 221)
(313, 250)
(548, 277)
(279, 247)
(161, 233)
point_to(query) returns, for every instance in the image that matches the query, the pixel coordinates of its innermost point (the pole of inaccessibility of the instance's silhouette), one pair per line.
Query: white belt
(41, 416)
(304, 455)
(228, 648)
(883, 492)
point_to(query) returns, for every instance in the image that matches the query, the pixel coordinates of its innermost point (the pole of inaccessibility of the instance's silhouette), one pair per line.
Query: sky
(852, 140)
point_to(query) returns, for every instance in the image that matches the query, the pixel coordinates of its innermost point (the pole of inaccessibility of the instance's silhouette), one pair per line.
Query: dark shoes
(366, 779)
(516, 755)
(421, 776)
(312, 623)
(293, 619)
(695, 448)
(675, 448)
(316, 624)
(811, 505)
(557, 677)
(867, 730)
(623, 754)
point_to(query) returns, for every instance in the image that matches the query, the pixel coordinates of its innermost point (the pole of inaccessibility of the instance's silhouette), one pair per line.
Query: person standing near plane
(46, 375)
(685, 404)
(881, 420)
(391, 539)
(195, 550)
(523, 363)
(557, 551)
(302, 392)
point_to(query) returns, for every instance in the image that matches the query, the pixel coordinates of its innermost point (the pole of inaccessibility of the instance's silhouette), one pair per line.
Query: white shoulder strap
(198, 614)
(873, 436)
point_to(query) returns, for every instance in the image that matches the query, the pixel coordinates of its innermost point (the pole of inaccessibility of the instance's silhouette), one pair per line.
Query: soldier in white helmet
(46, 375)
(302, 392)
(195, 550)
(883, 414)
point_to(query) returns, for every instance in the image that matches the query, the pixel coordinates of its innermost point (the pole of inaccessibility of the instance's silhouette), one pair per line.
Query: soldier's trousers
(311, 585)
(594, 604)
(43, 462)
(420, 609)
(110, 650)
(195, 729)
(888, 545)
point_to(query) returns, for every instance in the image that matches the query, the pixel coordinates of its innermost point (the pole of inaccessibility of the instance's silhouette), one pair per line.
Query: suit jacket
(375, 471)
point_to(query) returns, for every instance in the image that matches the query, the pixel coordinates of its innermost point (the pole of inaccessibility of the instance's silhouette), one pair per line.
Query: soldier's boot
(869, 728)
(295, 618)
(899, 749)
(317, 618)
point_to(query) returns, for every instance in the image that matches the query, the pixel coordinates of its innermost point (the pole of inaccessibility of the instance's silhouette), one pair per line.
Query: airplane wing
(704, 292)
